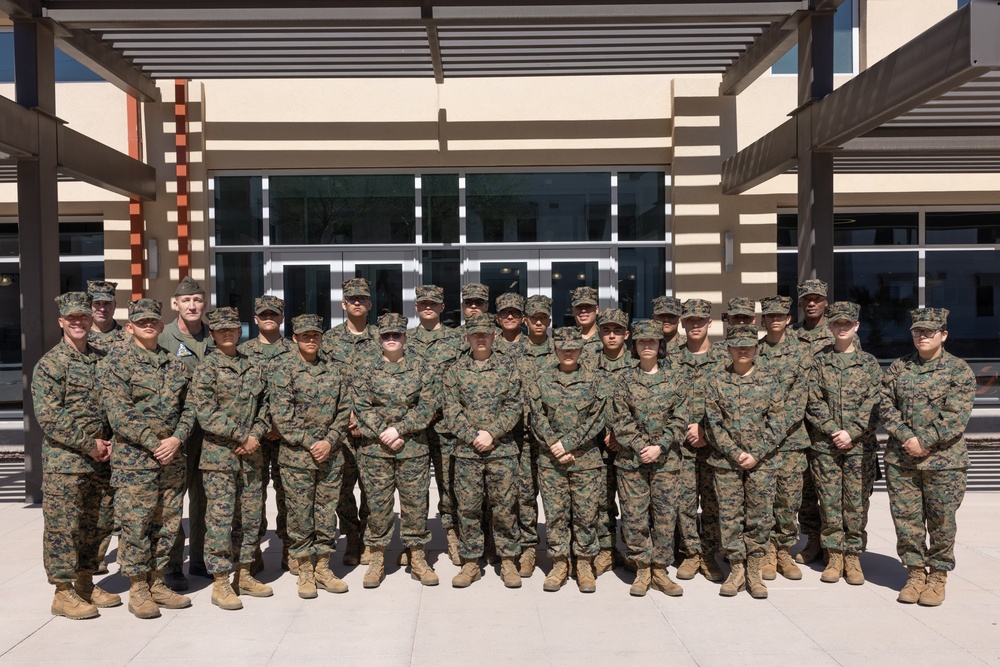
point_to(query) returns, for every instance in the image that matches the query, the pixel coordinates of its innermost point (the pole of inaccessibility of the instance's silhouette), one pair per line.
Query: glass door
(565, 270)
(504, 271)
(393, 278)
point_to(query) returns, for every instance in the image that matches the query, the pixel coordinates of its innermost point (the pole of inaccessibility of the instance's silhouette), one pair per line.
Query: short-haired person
(667, 311)
(105, 333)
(583, 301)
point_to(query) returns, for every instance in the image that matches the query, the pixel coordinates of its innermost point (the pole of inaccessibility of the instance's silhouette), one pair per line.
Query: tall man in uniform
(667, 311)
(187, 339)
(105, 333)
(583, 301)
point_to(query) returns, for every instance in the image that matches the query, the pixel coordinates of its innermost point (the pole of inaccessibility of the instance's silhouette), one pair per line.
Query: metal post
(38, 227)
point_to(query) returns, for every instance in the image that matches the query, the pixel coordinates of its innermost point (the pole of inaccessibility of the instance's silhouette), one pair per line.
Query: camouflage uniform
(402, 395)
(670, 305)
(843, 395)
(592, 346)
(227, 394)
(566, 407)
(484, 396)
(649, 410)
(931, 401)
(309, 402)
(144, 394)
(110, 340)
(77, 497)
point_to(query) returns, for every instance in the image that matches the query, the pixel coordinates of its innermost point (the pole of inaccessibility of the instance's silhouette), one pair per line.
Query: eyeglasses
(924, 333)
(474, 302)
(392, 335)
(357, 299)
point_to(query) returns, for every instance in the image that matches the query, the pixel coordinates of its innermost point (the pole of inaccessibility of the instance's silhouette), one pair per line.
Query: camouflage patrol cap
(583, 295)
(262, 304)
(308, 322)
(356, 287)
(647, 330)
(612, 316)
(510, 300)
(188, 286)
(476, 291)
(391, 323)
(776, 305)
(929, 318)
(480, 323)
(431, 293)
(224, 318)
(843, 310)
(741, 335)
(144, 309)
(538, 303)
(696, 308)
(101, 290)
(73, 303)
(741, 305)
(667, 305)
(813, 286)
(567, 338)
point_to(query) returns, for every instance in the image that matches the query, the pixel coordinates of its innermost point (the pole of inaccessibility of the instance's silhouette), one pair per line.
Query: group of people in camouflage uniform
(766, 435)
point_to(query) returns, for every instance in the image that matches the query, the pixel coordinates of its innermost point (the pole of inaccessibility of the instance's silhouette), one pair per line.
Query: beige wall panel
(888, 24)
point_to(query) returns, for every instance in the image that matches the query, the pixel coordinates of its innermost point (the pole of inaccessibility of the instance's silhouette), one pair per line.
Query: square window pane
(538, 207)
(963, 227)
(239, 279)
(439, 207)
(881, 229)
(444, 269)
(641, 206)
(641, 278)
(386, 282)
(239, 210)
(81, 238)
(967, 283)
(376, 208)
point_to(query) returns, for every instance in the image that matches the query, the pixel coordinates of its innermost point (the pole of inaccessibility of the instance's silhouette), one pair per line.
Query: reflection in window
(439, 207)
(502, 277)
(641, 278)
(884, 284)
(963, 227)
(641, 206)
(342, 209)
(239, 279)
(239, 210)
(858, 229)
(538, 207)
(843, 45)
(444, 269)
(968, 285)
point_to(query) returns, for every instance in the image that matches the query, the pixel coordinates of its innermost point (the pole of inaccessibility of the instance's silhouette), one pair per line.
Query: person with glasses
(510, 315)
(927, 399)
(395, 398)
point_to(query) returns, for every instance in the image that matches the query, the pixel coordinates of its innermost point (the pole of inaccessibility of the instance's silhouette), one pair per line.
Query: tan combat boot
(528, 556)
(163, 596)
(811, 552)
(140, 603)
(508, 572)
(420, 569)
(709, 568)
(604, 562)
(689, 567)
(755, 582)
(71, 605)
(585, 579)
(642, 580)
(787, 566)
(769, 570)
(325, 578)
(662, 582)
(403, 559)
(307, 578)
(376, 568)
(558, 575)
(470, 572)
(852, 569)
(736, 582)
(95, 595)
(245, 582)
(933, 593)
(223, 595)
(834, 568)
(452, 536)
(352, 551)
(366, 556)
(915, 585)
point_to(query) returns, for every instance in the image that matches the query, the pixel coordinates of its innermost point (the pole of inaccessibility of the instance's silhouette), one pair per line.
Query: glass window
(81, 238)
(444, 269)
(963, 227)
(567, 276)
(239, 279)
(641, 278)
(67, 69)
(342, 209)
(386, 282)
(968, 285)
(641, 206)
(843, 45)
(439, 207)
(538, 207)
(788, 279)
(239, 210)
(502, 277)
(881, 229)
(307, 290)
(788, 234)
(10, 333)
(8, 239)
(73, 276)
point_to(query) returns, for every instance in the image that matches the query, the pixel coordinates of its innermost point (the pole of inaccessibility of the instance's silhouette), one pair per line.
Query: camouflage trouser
(148, 504)
(311, 496)
(271, 471)
(649, 513)
(571, 501)
(810, 522)
(381, 476)
(841, 492)
(923, 504)
(869, 474)
(77, 513)
(697, 481)
(479, 480)
(232, 525)
(791, 469)
(196, 508)
(607, 528)
(352, 516)
(746, 510)
(442, 447)
(527, 490)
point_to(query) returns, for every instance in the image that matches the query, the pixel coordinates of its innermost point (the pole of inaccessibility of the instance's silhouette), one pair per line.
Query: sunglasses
(391, 336)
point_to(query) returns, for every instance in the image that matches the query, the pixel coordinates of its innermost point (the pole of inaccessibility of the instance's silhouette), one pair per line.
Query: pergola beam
(109, 65)
(773, 154)
(971, 144)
